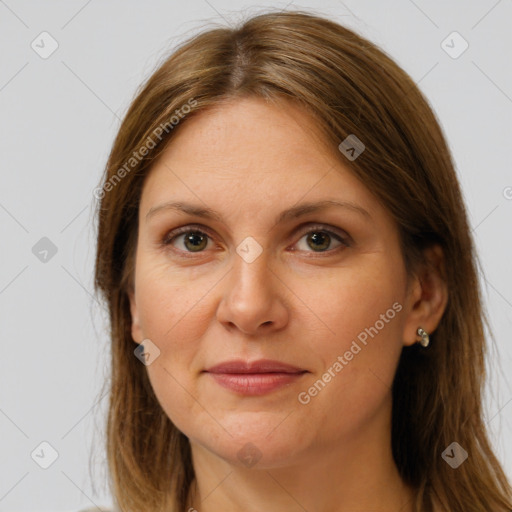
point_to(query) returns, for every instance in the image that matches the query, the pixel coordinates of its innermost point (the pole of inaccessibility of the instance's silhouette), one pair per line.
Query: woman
(292, 286)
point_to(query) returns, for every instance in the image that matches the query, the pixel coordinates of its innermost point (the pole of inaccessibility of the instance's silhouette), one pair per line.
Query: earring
(425, 339)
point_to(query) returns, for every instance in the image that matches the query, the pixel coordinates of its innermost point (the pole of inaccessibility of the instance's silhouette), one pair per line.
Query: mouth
(254, 378)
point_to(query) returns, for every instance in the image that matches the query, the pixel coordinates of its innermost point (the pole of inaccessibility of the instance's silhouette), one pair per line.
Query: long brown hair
(349, 86)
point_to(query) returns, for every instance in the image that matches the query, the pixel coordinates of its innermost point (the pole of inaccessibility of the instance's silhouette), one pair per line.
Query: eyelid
(185, 229)
(315, 226)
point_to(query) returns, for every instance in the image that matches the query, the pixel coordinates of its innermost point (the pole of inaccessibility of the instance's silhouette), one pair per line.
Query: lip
(259, 366)
(256, 377)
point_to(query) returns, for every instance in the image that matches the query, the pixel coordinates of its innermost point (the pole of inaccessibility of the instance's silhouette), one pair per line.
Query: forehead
(251, 153)
(250, 128)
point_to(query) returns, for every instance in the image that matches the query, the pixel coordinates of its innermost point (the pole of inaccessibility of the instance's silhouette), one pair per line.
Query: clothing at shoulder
(96, 509)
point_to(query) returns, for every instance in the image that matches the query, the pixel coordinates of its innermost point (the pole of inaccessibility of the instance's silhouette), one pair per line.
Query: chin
(252, 446)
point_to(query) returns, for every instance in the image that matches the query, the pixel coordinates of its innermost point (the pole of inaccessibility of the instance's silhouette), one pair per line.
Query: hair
(348, 86)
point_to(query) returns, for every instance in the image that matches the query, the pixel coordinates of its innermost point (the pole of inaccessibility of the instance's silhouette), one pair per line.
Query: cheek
(348, 301)
(173, 393)
(173, 315)
(359, 353)
(169, 303)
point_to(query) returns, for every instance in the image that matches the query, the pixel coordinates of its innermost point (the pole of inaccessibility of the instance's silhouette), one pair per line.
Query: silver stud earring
(425, 339)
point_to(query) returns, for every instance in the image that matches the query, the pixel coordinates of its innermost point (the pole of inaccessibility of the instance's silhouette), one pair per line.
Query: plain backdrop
(59, 115)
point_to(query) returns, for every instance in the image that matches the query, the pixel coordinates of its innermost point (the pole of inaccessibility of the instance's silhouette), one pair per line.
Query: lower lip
(255, 383)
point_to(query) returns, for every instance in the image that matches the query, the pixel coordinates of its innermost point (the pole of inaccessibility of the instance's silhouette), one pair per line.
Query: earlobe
(135, 323)
(428, 297)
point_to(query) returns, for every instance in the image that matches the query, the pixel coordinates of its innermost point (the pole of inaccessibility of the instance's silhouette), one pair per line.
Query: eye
(194, 239)
(320, 239)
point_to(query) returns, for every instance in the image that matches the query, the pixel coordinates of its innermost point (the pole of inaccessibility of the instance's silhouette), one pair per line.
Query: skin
(249, 160)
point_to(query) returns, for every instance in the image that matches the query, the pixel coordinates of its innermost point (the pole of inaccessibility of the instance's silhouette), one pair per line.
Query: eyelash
(197, 228)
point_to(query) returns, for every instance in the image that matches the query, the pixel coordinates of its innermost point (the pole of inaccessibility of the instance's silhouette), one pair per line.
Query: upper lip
(259, 366)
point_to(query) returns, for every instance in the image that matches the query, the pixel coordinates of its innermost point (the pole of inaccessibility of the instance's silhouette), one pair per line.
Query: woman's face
(261, 277)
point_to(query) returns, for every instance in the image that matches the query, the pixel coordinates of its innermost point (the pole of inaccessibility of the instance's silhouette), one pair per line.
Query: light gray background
(58, 119)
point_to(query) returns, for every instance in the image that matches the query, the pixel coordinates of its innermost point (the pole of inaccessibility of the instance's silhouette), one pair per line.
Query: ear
(427, 296)
(136, 328)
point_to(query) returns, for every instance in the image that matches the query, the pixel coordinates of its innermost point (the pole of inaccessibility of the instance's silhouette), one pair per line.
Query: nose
(253, 298)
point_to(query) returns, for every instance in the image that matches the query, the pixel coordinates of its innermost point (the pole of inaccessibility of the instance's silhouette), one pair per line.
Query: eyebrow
(291, 213)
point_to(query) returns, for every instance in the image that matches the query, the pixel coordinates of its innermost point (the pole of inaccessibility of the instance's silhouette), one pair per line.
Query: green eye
(318, 239)
(193, 240)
